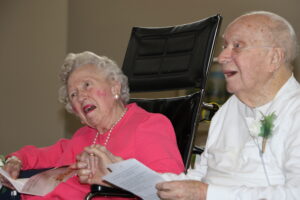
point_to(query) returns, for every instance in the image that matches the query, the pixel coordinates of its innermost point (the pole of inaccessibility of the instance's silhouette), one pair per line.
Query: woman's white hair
(283, 34)
(109, 68)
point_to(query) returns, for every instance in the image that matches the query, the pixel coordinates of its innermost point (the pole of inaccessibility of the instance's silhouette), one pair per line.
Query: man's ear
(277, 59)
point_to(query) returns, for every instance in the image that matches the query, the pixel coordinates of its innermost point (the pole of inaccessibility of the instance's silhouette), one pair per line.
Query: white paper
(133, 176)
(17, 183)
(42, 183)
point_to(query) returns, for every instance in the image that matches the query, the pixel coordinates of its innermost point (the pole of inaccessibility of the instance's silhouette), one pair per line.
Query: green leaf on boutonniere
(267, 124)
(266, 128)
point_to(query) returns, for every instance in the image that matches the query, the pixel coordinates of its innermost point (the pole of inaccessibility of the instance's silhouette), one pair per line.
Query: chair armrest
(30, 172)
(198, 150)
(211, 108)
(103, 191)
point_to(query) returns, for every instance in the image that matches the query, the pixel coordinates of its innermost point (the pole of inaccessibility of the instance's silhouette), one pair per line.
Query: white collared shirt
(231, 163)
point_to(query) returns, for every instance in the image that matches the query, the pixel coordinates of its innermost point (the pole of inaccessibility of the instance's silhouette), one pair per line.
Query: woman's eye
(86, 84)
(72, 95)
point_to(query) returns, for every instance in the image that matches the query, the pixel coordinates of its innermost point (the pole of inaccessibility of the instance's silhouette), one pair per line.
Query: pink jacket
(145, 136)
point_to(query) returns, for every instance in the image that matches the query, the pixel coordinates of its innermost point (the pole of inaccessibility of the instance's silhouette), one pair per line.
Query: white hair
(109, 68)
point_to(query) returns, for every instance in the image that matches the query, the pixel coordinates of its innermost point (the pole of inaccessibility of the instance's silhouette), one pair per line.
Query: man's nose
(225, 56)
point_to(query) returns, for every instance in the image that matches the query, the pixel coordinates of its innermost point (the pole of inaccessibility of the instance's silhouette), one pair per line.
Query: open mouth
(229, 74)
(88, 108)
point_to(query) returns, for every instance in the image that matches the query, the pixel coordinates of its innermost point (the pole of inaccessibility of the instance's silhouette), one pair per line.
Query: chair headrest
(168, 58)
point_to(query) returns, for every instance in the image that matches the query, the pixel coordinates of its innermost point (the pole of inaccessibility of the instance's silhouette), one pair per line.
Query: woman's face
(92, 96)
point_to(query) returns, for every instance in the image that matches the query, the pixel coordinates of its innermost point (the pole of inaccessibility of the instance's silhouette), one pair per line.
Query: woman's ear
(116, 88)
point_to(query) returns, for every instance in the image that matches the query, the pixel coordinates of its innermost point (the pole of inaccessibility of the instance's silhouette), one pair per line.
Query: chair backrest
(183, 112)
(171, 58)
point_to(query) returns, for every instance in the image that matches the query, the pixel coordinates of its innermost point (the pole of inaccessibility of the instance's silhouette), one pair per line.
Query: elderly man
(253, 148)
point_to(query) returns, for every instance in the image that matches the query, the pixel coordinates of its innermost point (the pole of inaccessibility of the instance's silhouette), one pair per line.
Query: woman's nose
(225, 56)
(82, 95)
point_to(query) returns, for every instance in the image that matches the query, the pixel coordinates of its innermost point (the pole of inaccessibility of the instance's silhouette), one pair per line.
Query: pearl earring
(116, 96)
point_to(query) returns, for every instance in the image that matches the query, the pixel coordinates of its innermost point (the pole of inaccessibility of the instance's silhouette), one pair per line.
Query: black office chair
(170, 58)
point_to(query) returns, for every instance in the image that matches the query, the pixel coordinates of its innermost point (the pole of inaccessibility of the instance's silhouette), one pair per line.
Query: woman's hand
(182, 190)
(12, 167)
(82, 166)
(92, 164)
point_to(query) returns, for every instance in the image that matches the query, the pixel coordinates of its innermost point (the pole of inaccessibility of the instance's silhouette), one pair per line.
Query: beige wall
(35, 35)
(104, 26)
(32, 46)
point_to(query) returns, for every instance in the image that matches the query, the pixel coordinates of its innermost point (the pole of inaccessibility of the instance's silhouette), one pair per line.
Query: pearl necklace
(110, 130)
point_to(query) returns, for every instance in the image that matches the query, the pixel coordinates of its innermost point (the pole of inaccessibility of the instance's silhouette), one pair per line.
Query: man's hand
(182, 190)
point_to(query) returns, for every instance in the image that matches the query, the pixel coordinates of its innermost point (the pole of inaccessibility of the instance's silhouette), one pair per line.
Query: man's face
(245, 59)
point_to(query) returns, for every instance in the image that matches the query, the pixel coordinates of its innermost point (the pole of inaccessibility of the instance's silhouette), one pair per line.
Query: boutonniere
(266, 128)
(263, 128)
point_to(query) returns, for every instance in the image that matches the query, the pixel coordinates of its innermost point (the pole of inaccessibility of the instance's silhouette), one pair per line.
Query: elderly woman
(96, 91)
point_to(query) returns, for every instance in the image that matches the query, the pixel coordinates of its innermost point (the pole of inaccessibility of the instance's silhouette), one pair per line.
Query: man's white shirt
(231, 163)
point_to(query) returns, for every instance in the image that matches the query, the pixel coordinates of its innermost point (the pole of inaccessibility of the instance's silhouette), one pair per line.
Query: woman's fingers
(12, 168)
(92, 164)
(9, 185)
(82, 156)
(84, 175)
(106, 156)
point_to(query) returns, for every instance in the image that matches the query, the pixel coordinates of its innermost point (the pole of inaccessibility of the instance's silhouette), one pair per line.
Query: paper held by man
(42, 183)
(133, 176)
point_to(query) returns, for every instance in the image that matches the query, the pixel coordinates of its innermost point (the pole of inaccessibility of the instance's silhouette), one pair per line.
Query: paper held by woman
(42, 183)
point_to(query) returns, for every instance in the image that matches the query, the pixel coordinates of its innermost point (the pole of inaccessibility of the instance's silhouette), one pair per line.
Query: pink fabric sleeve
(156, 145)
(34, 158)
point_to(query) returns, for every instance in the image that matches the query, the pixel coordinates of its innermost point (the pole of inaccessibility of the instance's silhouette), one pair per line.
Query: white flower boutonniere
(263, 128)
(254, 127)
